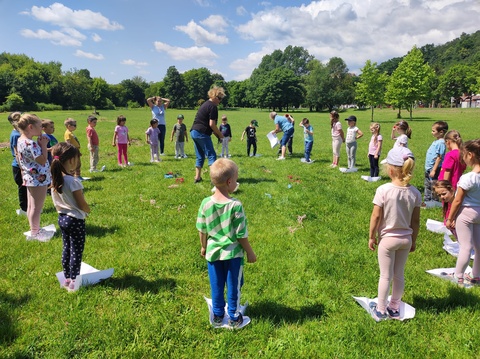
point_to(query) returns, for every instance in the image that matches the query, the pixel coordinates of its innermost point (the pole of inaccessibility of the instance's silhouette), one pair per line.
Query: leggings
(161, 137)
(122, 150)
(336, 143)
(36, 199)
(22, 190)
(351, 153)
(467, 225)
(374, 168)
(392, 257)
(73, 236)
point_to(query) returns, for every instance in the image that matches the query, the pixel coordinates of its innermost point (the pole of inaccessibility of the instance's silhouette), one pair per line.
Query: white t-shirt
(351, 134)
(470, 183)
(65, 202)
(398, 204)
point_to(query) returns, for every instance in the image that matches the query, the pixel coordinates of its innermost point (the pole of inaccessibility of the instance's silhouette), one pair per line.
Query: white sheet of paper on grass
(371, 179)
(246, 320)
(406, 310)
(348, 170)
(452, 247)
(272, 137)
(443, 274)
(88, 276)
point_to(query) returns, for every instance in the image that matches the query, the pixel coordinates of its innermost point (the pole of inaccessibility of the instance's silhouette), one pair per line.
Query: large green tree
(458, 80)
(197, 82)
(175, 88)
(370, 89)
(410, 82)
(280, 89)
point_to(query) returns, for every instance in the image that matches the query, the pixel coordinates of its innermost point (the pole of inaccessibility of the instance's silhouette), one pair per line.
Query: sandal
(454, 277)
(471, 279)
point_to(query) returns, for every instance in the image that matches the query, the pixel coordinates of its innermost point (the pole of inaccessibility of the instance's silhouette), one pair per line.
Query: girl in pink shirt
(121, 140)
(338, 137)
(453, 165)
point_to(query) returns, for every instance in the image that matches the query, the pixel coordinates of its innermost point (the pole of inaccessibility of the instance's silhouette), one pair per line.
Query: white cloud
(215, 23)
(244, 67)
(69, 37)
(131, 62)
(88, 55)
(241, 11)
(202, 55)
(59, 14)
(203, 3)
(200, 35)
(96, 38)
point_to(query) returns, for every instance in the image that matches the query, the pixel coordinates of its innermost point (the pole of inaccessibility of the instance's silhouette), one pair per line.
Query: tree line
(283, 80)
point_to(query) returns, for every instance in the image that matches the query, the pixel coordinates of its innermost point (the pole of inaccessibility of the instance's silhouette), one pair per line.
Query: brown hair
(334, 116)
(121, 118)
(403, 125)
(448, 186)
(61, 152)
(472, 146)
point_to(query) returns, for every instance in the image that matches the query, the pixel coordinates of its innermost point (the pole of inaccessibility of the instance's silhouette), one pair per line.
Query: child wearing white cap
(394, 226)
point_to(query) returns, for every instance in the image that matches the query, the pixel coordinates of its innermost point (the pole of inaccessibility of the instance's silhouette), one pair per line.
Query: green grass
(300, 290)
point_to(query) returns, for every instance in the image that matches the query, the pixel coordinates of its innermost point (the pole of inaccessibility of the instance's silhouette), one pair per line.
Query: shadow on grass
(278, 313)
(141, 285)
(98, 231)
(457, 298)
(8, 334)
(255, 180)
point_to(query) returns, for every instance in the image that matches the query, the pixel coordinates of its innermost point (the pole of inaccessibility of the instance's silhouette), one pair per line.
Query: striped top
(224, 223)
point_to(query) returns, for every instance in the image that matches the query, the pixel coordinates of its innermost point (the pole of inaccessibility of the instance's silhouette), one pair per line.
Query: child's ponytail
(407, 171)
(61, 152)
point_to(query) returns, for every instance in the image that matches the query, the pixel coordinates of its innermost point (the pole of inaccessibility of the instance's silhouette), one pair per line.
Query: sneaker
(130, 164)
(184, 156)
(393, 314)
(43, 235)
(280, 158)
(71, 286)
(310, 161)
(66, 283)
(333, 165)
(103, 168)
(217, 321)
(234, 324)
(162, 154)
(197, 180)
(21, 212)
(378, 316)
(94, 170)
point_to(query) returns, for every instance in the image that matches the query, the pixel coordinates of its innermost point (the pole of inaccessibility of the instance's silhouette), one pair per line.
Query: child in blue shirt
(433, 163)
(17, 173)
(308, 136)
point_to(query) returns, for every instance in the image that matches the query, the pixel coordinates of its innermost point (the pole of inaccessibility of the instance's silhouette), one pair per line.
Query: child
(48, 127)
(465, 215)
(223, 233)
(353, 134)
(446, 193)
(308, 135)
(375, 149)
(93, 143)
(338, 137)
(433, 163)
(16, 170)
(453, 165)
(35, 170)
(67, 196)
(121, 140)
(69, 137)
(251, 132)
(181, 136)
(159, 105)
(151, 135)
(396, 220)
(227, 136)
(404, 132)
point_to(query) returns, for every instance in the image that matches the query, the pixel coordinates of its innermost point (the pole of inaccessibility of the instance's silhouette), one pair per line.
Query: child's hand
(203, 251)
(43, 140)
(114, 144)
(413, 247)
(251, 257)
(372, 243)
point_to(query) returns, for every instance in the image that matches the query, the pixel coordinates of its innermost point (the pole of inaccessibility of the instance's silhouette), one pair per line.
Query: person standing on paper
(375, 149)
(223, 232)
(159, 105)
(308, 135)
(93, 143)
(251, 132)
(67, 196)
(151, 137)
(71, 125)
(181, 136)
(394, 226)
(338, 137)
(353, 134)
(285, 125)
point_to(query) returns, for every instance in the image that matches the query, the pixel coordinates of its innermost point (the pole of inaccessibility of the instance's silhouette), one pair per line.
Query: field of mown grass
(299, 291)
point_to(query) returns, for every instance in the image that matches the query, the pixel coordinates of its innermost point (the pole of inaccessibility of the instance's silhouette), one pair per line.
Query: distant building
(470, 101)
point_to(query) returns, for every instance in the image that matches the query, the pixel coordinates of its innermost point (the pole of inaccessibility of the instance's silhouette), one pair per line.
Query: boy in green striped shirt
(222, 226)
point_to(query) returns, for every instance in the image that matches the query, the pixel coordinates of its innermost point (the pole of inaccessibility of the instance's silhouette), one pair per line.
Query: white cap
(398, 155)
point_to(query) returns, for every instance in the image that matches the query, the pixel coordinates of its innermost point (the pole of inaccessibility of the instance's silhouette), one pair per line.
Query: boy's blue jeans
(230, 272)
(308, 150)
(428, 193)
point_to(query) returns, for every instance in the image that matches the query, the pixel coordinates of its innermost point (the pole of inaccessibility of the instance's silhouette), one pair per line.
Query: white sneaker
(309, 162)
(281, 158)
(41, 236)
(103, 168)
(21, 212)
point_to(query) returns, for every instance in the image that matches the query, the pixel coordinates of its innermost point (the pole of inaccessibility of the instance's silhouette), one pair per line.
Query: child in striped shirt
(222, 226)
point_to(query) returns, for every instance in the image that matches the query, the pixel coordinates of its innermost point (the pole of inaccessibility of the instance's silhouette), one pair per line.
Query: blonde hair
(13, 119)
(216, 91)
(221, 170)
(27, 119)
(375, 126)
(403, 173)
(70, 122)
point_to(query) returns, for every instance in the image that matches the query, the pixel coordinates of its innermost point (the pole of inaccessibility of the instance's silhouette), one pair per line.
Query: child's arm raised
(251, 256)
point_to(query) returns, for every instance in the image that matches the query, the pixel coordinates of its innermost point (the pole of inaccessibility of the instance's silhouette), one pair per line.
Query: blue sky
(120, 39)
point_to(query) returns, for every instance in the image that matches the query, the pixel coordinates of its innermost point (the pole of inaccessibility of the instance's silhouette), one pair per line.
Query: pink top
(337, 126)
(372, 146)
(452, 163)
(122, 134)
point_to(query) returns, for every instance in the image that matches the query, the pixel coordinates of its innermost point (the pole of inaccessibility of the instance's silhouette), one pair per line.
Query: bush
(133, 104)
(40, 106)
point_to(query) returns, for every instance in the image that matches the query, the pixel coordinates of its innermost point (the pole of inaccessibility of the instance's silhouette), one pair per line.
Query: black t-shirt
(208, 111)
(250, 132)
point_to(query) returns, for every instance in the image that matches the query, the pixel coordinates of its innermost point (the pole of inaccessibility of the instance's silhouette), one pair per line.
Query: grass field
(300, 290)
